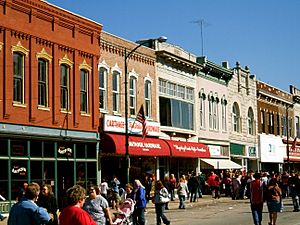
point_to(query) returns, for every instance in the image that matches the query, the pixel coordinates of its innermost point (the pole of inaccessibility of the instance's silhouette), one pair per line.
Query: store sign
(251, 151)
(271, 149)
(117, 124)
(65, 151)
(295, 151)
(19, 170)
(214, 150)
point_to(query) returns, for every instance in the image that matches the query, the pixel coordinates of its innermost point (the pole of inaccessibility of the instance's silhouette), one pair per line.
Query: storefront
(33, 154)
(294, 155)
(272, 152)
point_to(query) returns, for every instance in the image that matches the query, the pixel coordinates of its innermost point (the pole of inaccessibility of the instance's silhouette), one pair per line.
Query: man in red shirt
(213, 182)
(256, 198)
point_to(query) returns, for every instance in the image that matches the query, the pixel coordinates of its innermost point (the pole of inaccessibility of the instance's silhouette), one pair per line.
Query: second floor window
(262, 121)
(224, 114)
(236, 118)
(297, 125)
(84, 91)
(132, 95)
(42, 82)
(103, 88)
(148, 99)
(116, 91)
(64, 87)
(18, 70)
(202, 110)
(250, 121)
(271, 123)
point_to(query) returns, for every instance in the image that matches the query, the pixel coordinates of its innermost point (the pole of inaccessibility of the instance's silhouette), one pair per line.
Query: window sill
(43, 108)
(85, 114)
(18, 104)
(65, 111)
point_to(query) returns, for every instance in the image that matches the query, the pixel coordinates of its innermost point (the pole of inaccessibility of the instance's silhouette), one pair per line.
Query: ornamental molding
(43, 54)
(19, 48)
(66, 60)
(85, 66)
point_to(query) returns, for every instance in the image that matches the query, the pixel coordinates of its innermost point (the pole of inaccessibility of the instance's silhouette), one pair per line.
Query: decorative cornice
(19, 48)
(85, 66)
(44, 54)
(66, 60)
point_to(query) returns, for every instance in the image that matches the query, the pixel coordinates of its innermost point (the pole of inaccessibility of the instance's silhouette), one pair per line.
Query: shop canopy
(115, 144)
(221, 164)
(188, 149)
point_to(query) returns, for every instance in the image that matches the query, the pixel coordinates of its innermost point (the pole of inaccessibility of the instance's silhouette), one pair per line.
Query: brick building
(49, 114)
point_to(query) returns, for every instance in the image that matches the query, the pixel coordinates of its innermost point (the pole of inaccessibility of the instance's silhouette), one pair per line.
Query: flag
(142, 119)
(294, 144)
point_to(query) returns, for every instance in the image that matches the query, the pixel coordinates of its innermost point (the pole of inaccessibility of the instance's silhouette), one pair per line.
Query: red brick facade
(38, 29)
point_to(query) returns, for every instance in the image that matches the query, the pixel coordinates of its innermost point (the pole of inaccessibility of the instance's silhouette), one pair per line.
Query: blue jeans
(139, 216)
(159, 210)
(181, 201)
(256, 210)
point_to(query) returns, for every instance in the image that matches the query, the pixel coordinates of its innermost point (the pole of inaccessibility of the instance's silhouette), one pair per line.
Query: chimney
(225, 64)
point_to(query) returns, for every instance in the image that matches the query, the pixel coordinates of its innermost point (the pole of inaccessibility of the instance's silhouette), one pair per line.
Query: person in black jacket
(48, 201)
(193, 184)
(294, 183)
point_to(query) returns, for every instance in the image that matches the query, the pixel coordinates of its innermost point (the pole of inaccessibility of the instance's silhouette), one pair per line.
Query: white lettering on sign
(184, 148)
(117, 124)
(145, 146)
(19, 170)
(65, 151)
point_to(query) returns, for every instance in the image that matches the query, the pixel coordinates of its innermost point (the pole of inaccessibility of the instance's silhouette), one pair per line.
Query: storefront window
(18, 148)
(4, 178)
(65, 150)
(80, 151)
(3, 147)
(49, 149)
(19, 175)
(36, 171)
(36, 148)
(91, 151)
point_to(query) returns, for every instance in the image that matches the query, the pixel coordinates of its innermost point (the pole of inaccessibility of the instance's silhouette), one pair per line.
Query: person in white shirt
(104, 188)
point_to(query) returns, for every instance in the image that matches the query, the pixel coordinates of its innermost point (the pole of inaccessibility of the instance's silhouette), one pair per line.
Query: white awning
(221, 164)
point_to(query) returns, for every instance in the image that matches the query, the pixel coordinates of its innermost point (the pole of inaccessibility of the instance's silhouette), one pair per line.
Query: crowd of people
(101, 204)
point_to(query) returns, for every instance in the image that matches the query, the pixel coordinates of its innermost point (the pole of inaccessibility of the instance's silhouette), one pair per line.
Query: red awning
(188, 149)
(115, 144)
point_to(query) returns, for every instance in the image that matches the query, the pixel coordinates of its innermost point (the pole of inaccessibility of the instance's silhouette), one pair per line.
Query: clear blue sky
(262, 34)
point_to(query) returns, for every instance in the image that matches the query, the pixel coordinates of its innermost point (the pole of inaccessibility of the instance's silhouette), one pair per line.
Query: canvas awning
(220, 164)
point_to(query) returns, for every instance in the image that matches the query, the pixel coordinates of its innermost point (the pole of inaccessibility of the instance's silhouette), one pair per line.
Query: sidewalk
(205, 200)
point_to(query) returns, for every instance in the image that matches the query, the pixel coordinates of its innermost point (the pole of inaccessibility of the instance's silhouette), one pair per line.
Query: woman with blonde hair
(140, 203)
(161, 196)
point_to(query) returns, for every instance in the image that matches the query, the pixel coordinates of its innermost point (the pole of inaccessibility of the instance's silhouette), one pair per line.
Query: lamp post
(287, 139)
(126, 57)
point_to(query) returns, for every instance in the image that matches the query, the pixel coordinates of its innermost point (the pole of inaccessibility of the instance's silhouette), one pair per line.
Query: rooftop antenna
(201, 23)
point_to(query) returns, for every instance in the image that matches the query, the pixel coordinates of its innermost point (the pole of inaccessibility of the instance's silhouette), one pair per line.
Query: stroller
(124, 214)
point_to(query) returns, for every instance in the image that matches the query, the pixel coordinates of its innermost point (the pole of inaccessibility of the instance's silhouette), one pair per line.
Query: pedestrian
(97, 207)
(256, 192)
(273, 196)
(128, 193)
(48, 201)
(182, 192)
(148, 186)
(115, 198)
(173, 182)
(213, 182)
(140, 203)
(104, 188)
(193, 186)
(160, 198)
(294, 183)
(167, 184)
(73, 214)
(26, 211)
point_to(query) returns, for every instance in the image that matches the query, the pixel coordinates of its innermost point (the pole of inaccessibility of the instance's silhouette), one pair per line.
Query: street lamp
(126, 57)
(288, 137)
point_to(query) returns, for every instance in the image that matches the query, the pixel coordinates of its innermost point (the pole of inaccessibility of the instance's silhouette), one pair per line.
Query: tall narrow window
(103, 88)
(283, 125)
(84, 77)
(224, 114)
(250, 121)
(148, 99)
(202, 110)
(262, 121)
(132, 95)
(236, 118)
(42, 82)
(116, 91)
(64, 86)
(210, 112)
(18, 88)
(271, 123)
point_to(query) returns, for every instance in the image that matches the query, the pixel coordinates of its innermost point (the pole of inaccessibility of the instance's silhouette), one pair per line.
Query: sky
(261, 34)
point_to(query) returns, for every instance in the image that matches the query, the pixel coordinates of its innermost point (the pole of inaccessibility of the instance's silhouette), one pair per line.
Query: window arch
(250, 121)
(236, 118)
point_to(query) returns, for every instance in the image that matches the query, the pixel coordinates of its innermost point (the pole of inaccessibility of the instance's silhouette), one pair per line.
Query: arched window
(224, 113)
(250, 123)
(236, 118)
(202, 109)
